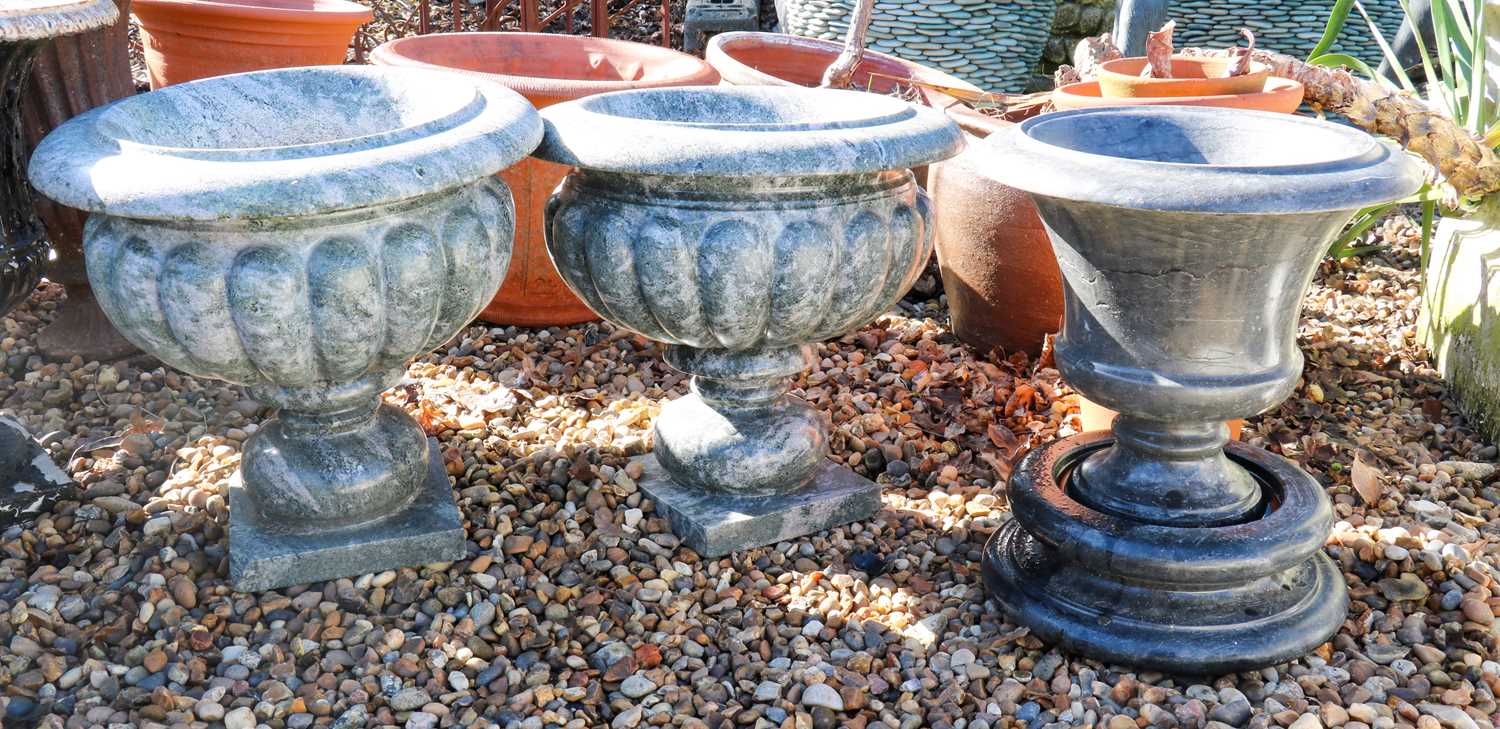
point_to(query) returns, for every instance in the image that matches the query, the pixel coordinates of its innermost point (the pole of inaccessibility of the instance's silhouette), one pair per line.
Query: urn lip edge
(91, 163)
(1379, 174)
(42, 19)
(868, 133)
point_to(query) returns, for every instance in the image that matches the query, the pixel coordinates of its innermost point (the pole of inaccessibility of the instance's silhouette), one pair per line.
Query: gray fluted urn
(738, 225)
(304, 232)
(1187, 238)
(29, 480)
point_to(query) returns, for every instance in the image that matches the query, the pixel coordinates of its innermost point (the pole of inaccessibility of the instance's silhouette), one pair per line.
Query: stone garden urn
(1186, 237)
(738, 225)
(29, 481)
(304, 232)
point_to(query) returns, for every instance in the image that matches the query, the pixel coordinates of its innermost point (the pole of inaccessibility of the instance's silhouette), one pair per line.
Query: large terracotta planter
(546, 69)
(70, 76)
(192, 39)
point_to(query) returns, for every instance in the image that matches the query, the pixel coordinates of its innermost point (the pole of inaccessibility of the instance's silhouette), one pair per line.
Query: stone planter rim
(22, 20)
(465, 128)
(286, 11)
(816, 132)
(694, 71)
(1355, 169)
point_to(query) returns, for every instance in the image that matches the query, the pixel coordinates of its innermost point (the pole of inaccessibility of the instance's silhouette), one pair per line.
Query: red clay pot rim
(1138, 62)
(723, 45)
(390, 54)
(306, 11)
(1088, 95)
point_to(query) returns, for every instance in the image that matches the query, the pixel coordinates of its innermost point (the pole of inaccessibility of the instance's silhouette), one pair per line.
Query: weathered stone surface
(1158, 545)
(738, 224)
(1460, 319)
(263, 554)
(715, 523)
(305, 233)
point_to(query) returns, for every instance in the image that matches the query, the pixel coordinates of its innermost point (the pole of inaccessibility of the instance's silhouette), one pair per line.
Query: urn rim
(1227, 161)
(745, 131)
(285, 143)
(22, 20)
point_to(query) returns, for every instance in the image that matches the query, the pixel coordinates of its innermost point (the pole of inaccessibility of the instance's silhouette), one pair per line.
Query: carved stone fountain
(738, 225)
(28, 479)
(1187, 237)
(305, 232)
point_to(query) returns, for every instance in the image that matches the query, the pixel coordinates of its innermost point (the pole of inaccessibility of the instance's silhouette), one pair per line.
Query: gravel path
(577, 608)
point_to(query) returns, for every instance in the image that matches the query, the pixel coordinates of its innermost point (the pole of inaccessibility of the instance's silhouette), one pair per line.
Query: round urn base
(1197, 600)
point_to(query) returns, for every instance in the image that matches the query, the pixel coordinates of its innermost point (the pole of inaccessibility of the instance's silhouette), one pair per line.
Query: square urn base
(263, 557)
(715, 523)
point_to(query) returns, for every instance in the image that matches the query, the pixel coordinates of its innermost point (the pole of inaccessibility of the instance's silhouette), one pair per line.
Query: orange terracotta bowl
(1279, 95)
(1191, 76)
(546, 69)
(185, 40)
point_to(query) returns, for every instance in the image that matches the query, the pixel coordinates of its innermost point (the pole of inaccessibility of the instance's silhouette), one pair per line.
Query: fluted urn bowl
(1186, 237)
(305, 233)
(738, 225)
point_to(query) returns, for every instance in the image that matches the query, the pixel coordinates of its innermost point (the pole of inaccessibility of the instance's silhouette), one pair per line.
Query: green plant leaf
(1363, 220)
(1478, 116)
(1331, 30)
(1336, 60)
(1385, 49)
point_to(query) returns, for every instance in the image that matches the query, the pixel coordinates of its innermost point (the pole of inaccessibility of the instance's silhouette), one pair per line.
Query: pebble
(823, 695)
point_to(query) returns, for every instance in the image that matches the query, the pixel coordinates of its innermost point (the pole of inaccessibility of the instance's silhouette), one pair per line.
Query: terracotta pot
(1279, 95)
(1097, 417)
(773, 59)
(547, 69)
(71, 75)
(999, 274)
(1004, 289)
(1191, 76)
(186, 40)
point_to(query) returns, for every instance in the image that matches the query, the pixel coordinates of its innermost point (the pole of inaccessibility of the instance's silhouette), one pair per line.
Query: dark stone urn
(1186, 237)
(28, 479)
(70, 76)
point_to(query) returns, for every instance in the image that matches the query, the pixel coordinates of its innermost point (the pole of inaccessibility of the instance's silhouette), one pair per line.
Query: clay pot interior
(1191, 76)
(583, 65)
(1278, 95)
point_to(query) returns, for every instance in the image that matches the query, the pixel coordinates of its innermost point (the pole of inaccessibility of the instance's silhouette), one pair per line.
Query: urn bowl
(742, 218)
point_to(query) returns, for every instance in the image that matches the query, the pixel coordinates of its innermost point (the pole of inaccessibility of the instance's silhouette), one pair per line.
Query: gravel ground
(577, 608)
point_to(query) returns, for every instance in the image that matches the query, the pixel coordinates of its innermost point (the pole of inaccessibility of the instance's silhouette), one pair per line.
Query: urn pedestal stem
(29, 481)
(309, 262)
(1186, 237)
(738, 225)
